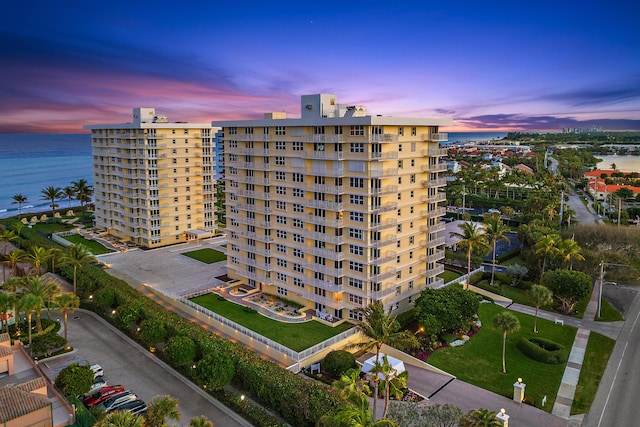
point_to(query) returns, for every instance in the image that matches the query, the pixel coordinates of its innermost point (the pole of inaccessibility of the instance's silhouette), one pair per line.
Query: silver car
(117, 399)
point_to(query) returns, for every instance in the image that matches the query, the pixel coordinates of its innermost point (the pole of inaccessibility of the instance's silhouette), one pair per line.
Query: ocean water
(623, 163)
(30, 163)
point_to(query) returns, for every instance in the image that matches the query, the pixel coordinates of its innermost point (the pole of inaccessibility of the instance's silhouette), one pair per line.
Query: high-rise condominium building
(154, 180)
(337, 208)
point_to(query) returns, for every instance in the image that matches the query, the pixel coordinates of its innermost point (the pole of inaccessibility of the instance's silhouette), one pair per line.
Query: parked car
(103, 394)
(98, 383)
(97, 371)
(136, 407)
(117, 399)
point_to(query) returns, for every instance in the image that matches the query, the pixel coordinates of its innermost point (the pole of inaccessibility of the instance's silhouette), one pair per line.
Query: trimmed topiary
(338, 362)
(543, 350)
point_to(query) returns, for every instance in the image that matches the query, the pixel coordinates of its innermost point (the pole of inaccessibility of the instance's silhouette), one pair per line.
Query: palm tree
(38, 255)
(378, 328)
(539, 296)
(160, 409)
(570, 250)
(7, 236)
(394, 382)
(7, 303)
(473, 238)
(480, 418)
(76, 256)
(495, 230)
(120, 419)
(27, 304)
(547, 245)
(19, 199)
(52, 193)
(614, 166)
(200, 421)
(507, 322)
(355, 413)
(66, 303)
(351, 382)
(69, 192)
(44, 291)
(14, 257)
(83, 191)
(53, 254)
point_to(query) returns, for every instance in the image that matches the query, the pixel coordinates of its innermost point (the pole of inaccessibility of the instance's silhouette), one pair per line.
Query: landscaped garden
(94, 247)
(296, 336)
(207, 255)
(479, 361)
(449, 275)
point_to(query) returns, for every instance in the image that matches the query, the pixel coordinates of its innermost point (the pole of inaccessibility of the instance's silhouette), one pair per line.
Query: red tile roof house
(26, 397)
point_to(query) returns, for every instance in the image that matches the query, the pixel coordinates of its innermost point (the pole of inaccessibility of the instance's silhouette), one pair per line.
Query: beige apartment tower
(337, 208)
(154, 180)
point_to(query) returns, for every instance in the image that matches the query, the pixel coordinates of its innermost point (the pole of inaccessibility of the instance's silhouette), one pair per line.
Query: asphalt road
(126, 363)
(616, 402)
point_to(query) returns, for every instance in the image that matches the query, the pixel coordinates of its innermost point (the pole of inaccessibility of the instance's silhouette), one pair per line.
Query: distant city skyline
(491, 66)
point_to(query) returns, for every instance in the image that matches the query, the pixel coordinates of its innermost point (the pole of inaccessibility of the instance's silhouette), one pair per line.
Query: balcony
(437, 256)
(328, 189)
(383, 155)
(311, 218)
(387, 241)
(387, 189)
(385, 137)
(255, 194)
(434, 183)
(253, 208)
(435, 137)
(390, 272)
(326, 253)
(323, 155)
(433, 213)
(324, 237)
(434, 198)
(324, 204)
(382, 173)
(384, 225)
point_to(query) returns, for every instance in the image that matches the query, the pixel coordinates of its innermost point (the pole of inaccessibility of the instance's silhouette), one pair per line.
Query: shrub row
(338, 362)
(543, 350)
(299, 401)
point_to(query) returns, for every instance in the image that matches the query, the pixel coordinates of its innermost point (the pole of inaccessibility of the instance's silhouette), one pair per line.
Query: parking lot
(124, 362)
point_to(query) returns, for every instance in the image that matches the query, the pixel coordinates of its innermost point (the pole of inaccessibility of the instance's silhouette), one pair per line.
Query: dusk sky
(489, 65)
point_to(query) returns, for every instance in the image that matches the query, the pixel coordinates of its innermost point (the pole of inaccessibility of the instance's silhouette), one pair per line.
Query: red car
(102, 395)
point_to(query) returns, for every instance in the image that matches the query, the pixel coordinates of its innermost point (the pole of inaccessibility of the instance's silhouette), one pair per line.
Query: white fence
(294, 355)
(59, 237)
(465, 277)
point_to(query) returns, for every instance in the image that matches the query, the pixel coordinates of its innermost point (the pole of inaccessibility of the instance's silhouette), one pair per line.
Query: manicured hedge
(338, 362)
(543, 350)
(299, 401)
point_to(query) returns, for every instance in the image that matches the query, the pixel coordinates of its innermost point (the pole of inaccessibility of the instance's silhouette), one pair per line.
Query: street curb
(169, 369)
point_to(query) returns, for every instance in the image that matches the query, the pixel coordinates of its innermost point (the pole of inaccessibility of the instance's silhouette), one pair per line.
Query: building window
(356, 266)
(281, 234)
(298, 253)
(298, 192)
(354, 233)
(298, 146)
(355, 315)
(356, 182)
(356, 250)
(280, 161)
(356, 147)
(281, 248)
(298, 238)
(356, 216)
(280, 145)
(281, 262)
(355, 283)
(357, 130)
(280, 130)
(281, 219)
(355, 299)
(298, 177)
(413, 132)
(282, 278)
(298, 282)
(280, 176)
(280, 205)
(356, 200)
(400, 131)
(281, 191)
(298, 207)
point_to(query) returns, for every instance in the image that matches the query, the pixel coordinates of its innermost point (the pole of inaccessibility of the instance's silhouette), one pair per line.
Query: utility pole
(561, 206)
(600, 287)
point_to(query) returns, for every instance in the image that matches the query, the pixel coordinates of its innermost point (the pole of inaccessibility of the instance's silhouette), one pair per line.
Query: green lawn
(449, 275)
(479, 362)
(595, 361)
(608, 313)
(296, 336)
(53, 227)
(93, 246)
(208, 256)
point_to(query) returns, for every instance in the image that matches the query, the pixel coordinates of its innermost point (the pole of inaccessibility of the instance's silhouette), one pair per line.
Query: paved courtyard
(166, 270)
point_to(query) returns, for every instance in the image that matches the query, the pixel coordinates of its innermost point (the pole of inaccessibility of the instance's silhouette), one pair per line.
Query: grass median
(296, 336)
(208, 256)
(479, 361)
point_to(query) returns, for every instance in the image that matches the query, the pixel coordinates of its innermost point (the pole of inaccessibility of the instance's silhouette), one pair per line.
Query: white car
(97, 371)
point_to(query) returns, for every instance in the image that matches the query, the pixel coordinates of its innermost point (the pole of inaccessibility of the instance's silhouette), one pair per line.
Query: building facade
(337, 208)
(154, 180)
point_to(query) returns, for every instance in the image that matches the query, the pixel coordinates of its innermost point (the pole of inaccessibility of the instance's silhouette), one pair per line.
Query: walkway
(567, 390)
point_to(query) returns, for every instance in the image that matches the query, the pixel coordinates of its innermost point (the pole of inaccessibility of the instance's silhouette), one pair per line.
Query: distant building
(154, 180)
(335, 209)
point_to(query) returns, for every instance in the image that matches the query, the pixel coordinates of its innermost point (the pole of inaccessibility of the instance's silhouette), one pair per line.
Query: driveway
(166, 269)
(124, 362)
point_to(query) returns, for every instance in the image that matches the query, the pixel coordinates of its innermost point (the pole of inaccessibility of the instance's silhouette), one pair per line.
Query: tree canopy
(568, 286)
(450, 308)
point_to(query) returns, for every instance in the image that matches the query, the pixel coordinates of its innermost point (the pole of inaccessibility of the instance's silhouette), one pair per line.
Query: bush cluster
(338, 362)
(297, 400)
(543, 350)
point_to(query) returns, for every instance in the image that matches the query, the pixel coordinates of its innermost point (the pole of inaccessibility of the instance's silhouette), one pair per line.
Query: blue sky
(491, 66)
